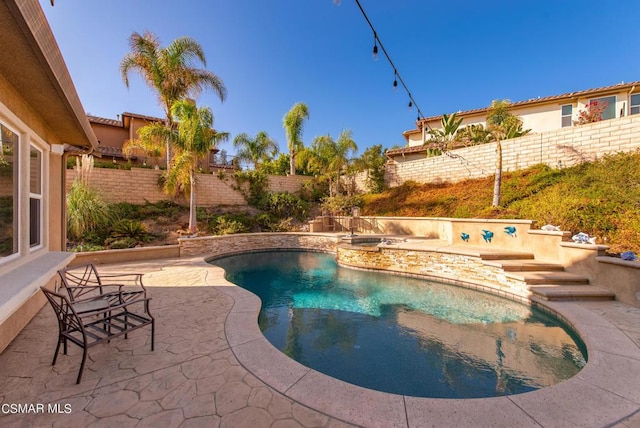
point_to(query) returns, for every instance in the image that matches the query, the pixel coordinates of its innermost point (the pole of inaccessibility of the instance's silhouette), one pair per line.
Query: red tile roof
(104, 121)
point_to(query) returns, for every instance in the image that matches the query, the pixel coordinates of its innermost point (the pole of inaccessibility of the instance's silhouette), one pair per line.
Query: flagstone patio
(210, 368)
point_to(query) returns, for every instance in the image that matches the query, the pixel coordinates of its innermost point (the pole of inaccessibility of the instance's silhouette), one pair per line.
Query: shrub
(341, 204)
(86, 211)
(123, 243)
(228, 227)
(283, 205)
(131, 229)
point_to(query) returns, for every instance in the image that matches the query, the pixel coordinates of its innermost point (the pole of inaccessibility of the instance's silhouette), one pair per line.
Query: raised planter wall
(457, 268)
(212, 246)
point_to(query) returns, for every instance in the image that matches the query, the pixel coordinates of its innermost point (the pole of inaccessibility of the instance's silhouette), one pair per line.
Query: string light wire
(397, 76)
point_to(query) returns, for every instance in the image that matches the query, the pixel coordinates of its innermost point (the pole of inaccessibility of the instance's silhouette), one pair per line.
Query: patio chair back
(76, 281)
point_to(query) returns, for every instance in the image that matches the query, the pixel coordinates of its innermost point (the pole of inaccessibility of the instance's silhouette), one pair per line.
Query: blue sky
(271, 54)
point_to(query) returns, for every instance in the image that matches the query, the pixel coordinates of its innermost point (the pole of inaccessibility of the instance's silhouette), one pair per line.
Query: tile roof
(406, 150)
(104, 121)
(141, 116)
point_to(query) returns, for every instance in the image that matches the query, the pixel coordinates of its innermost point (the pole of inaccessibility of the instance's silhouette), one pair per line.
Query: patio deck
(212, 367)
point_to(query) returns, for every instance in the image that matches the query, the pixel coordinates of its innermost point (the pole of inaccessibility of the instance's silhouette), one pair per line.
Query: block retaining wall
(140, 185)
(559, 148)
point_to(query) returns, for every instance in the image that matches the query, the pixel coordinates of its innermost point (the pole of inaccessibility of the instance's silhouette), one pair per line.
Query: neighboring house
(113, 134)
(538, 114)
(41, 118)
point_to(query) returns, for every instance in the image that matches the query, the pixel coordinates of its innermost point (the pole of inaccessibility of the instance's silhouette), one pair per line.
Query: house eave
(33, 63)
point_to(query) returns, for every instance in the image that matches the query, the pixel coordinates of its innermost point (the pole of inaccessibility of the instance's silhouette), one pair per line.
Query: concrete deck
(213, 367)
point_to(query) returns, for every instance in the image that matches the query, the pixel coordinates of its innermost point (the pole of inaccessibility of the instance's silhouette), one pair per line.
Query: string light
(375, 48)
(396, 76)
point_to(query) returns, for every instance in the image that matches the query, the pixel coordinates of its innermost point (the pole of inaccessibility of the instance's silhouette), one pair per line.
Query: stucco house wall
(539, 114)
(44, 117)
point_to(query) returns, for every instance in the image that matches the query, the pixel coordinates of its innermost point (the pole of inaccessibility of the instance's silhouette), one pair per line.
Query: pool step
(554, 292)
(548, 277)
(524, 265)
(549, 281)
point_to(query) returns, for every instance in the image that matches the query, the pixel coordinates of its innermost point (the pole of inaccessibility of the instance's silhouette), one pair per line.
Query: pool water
(403, 335)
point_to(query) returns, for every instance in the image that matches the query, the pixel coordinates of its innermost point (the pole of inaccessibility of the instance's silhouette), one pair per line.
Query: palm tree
(255, 150)
(293, 123)
(170, 71)
(192, 139)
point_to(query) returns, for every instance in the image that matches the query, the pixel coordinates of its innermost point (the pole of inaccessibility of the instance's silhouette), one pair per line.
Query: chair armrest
(128, 278)
(77, 293)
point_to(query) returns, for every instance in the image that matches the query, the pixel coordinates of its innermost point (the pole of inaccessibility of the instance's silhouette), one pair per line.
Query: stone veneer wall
(213, 246)
(559, 148)
(460, 269)
(139, 185)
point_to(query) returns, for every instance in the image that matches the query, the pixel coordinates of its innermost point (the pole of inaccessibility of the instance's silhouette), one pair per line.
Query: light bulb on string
(395, 81)
(375, 51)
(410, 105)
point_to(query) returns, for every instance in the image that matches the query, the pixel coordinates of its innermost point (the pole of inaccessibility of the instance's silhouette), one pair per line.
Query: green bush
(225, 226)
(123, 243)
(86, 211)
(283, 205)
(131, 229)
(341, 204)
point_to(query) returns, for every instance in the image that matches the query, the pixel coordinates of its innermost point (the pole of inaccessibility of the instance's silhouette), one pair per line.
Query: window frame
(38, 197)
(634, 106)
(17, 197)
(600, 99)
(563, 116)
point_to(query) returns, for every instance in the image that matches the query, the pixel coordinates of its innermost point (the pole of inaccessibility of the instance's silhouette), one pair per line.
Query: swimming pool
(402, 335)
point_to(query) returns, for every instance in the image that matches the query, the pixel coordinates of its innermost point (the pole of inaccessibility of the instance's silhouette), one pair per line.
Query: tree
(192, 138)
(255, 150)
(472, 135)
(329, 159)
(502, 125)
(293, 123)
(372, 162)
(170, 71)
(592, 113)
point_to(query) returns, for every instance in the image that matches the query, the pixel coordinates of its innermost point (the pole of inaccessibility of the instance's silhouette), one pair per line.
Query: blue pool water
(403, 335)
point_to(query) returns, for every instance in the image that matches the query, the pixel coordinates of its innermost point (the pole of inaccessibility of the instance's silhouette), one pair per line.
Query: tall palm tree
(255, 150)
(192, 139)
(170, 71)
(293, 123)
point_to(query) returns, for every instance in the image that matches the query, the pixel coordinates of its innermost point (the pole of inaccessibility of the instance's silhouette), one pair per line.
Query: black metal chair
(89, 322)
(82, 282)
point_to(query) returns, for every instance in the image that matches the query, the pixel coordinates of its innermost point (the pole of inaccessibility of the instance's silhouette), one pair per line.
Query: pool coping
(604, 392)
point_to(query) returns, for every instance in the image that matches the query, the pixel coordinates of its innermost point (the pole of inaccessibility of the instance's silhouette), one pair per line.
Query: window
(35, 197)
(635, 104)
(8, 192)
(567, 115)
(610, 111)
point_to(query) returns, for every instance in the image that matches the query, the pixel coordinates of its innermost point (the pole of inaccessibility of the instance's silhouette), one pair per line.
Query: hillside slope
(601, 198)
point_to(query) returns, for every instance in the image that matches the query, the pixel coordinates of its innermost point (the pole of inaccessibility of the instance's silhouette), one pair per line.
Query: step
(548, 277)
(571, 292)
(524, 265)
(485, 253)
